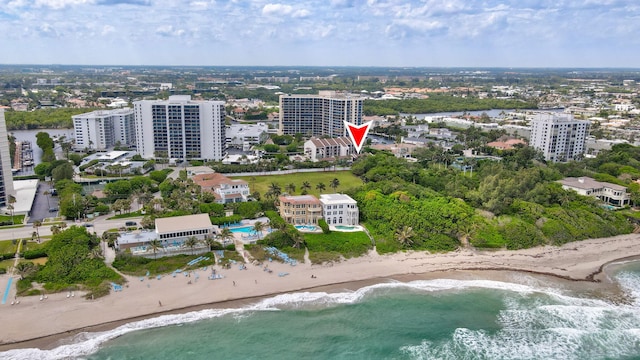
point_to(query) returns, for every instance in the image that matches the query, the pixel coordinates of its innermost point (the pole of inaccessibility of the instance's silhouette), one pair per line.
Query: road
(100, 225)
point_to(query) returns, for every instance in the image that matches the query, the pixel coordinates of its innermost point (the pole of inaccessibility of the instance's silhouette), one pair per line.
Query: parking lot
(42, 204)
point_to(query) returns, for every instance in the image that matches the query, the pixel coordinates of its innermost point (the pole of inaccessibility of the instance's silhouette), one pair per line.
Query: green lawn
(261, 183)
(7, 247)
(17, 219)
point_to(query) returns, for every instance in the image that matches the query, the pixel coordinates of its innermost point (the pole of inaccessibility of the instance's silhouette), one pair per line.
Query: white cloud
(276, 9)
(59, 4)
(301, 13)
(108, 29)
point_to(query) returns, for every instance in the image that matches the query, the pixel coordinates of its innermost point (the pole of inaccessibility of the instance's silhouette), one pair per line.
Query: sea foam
(530, 331)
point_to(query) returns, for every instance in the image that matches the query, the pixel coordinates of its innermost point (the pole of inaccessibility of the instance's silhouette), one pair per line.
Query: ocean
(533, 318)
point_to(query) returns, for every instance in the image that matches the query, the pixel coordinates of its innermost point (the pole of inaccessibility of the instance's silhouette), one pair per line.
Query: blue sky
(473, 33)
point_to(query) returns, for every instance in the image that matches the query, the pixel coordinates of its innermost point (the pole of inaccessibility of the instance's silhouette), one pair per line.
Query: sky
(411, 33)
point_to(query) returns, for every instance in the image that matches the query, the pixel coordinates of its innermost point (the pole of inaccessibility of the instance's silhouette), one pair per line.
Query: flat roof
(25, 193)
(336, 199)
(300, 199)
(183, 223)
(137, 237)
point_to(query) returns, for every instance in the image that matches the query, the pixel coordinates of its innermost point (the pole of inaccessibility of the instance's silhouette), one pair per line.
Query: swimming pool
(306, 227)
(243, 229)
(344, 227)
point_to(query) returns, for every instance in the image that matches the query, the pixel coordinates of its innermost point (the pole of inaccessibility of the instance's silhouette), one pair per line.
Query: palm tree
(210, 242)
(155, 246)
(305, 187)
(47, 193)
(36, 225)
(258, 226)
(25, 269)
(191, 242)
(291, 188)
(334, 184)
(55, 229)
(320, 187)
(12, 200)
(404, 235)
(274, 190)
(95, 253)
(225, 235)
(297, 239)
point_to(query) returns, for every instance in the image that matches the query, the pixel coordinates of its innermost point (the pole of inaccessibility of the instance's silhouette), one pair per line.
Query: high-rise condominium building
(559, 136)
(6, 177)
(319, 115)
(180, 128)
(102, 129)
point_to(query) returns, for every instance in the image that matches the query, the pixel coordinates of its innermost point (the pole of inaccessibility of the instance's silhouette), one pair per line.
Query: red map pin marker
(357, 133)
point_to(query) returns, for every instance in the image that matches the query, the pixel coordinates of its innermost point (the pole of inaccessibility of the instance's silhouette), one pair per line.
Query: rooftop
(179, 223)
(214, 180)
(336, 199)
(137, 237)
(299, 199)
(587, 183)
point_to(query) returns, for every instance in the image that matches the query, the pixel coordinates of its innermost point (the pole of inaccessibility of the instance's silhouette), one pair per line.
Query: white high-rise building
(102, 129)
(319, 115)
(6, 177)
(180, 128)
(559, 136)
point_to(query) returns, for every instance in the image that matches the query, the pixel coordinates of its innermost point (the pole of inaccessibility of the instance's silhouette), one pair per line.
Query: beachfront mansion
(336, 209)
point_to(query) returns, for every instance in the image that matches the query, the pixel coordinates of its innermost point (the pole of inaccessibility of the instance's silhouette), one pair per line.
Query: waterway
(493, 113)
(30, 135)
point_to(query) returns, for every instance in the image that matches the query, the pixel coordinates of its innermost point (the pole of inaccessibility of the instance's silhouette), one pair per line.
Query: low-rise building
(506, 144)
(318, 149)
(242, 136)
(339, 209)
(171, 233)
(225, 190)
(301, 209)
(611, 194)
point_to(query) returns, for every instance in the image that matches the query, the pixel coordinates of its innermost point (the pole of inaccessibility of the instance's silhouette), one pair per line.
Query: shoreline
(57, 320)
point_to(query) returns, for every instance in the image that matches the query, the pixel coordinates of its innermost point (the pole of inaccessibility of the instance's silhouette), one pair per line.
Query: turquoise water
(343, 227)
(426, 319)
(306, 227)
(243, 229)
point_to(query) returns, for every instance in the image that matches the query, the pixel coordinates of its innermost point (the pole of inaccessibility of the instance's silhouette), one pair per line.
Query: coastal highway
(99, 225)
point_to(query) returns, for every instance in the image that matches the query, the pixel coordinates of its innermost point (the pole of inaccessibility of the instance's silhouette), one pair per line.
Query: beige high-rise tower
(6, 177)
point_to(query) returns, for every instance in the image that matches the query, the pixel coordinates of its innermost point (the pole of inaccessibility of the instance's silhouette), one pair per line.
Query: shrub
(226, 219)
(3, 271)
(324, 226)
(35, 253)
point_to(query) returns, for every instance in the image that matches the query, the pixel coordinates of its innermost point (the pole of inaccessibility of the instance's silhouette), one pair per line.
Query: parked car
(131, 223)
(53, 209)
(88, 225)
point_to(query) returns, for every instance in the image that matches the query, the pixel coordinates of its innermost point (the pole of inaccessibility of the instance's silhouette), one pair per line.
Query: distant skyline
(427, 33)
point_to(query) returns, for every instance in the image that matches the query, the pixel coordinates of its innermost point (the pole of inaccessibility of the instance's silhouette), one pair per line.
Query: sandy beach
(36, 323)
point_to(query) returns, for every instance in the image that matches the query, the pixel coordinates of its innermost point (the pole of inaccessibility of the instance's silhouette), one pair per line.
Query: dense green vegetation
(42, 118)
(74, 260)
(515, 203)
(337, 244)
(441, 103)
(138, 266)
